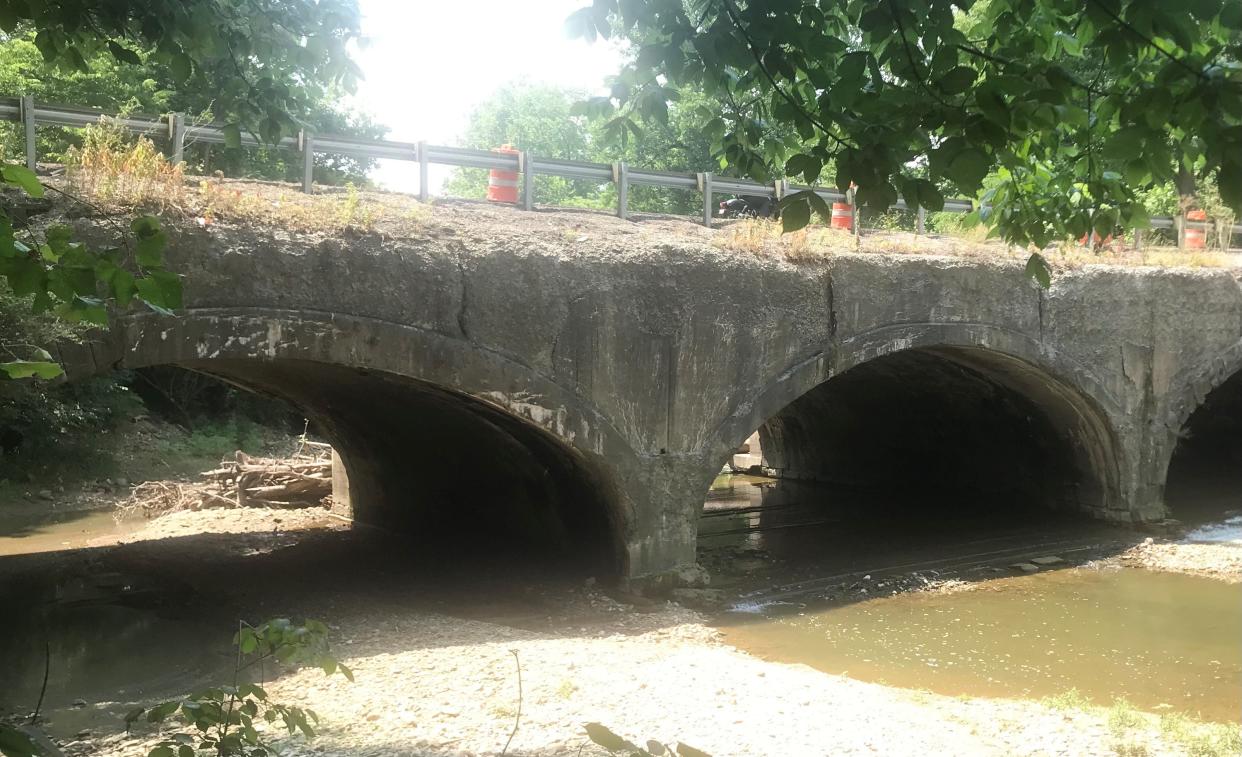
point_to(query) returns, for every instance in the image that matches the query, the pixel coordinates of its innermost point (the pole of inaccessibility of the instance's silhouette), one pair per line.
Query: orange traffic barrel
(1095, 240)
(502, 186)
(842, 214)
(1196, 237)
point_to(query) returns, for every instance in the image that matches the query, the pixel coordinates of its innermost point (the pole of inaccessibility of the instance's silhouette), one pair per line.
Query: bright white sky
(430, 62)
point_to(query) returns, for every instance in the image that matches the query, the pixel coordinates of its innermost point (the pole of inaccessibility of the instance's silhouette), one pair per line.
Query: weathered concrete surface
(634, 366)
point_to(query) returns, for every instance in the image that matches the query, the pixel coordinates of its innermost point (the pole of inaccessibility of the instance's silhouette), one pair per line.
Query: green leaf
(968, 168)
(1038, 269)
(581, 23)
(149, 252)
(14, 743)
(805, 165)
(1231, 16)
(232, 135)
(795, 212)
(181, 67)
(161, 711)
(124, 54)
(122, 283)
(958, 80)
(1229, 181)
(24, 178)
(685, 750)
(930, 196)
(21, 369)
(162, 751)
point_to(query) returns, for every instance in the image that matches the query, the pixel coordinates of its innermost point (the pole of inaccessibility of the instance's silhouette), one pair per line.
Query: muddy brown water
(1161, 641)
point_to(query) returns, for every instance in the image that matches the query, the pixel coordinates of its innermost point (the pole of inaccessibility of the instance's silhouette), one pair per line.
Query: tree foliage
(151, 87)
(557, 123)
(268, 62)
(1072, 105)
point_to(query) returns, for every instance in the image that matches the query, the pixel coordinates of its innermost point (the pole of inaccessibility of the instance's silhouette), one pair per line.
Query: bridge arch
(1199, 460)
(437, 434)
(928, 395)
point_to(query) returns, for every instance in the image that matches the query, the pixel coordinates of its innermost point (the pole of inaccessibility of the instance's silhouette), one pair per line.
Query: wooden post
(1179, 228)
(28, 125)
(1138, 240)
(920, 221)
(527, 165)
(307, 143)
(423, 192)
(176, 135)
(621, 176)
(705, 185)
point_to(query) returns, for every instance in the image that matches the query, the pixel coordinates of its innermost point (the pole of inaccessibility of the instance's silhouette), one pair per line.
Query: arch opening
(1204, 478)
(916, 447)
(458, 478)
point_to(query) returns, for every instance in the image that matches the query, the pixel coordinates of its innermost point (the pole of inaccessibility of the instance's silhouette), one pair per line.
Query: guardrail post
(28, 125)
(621, 177)
(421, 151)
(1179, 228)
(920, 221)
(1138, 239)
(307, 143)
(705, 185)
(527, 165)
(176, 135)
(851, 196)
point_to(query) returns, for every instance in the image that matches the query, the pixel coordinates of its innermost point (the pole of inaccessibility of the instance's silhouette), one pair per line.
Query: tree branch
(905, 43)
(1147, 40)
(754, 51)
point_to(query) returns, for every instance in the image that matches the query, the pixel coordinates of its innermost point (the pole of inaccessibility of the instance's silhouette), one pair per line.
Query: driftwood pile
(302, 480)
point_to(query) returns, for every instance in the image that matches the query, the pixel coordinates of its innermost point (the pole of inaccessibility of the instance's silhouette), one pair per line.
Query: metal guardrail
(178, 131)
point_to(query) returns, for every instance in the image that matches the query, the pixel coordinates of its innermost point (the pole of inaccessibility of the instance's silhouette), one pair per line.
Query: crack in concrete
(463, 304)
(1040, 294)
(832, 306)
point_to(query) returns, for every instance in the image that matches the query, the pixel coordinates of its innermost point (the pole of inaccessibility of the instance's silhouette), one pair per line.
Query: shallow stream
(1161, 641)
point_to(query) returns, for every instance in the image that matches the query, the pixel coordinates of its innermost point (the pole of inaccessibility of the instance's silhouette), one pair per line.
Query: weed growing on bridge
(115, 170)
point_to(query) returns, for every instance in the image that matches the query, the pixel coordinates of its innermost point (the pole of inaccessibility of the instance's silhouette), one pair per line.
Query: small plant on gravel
(614, 744)
(1068, 700)
(221, 720)
(1202, 739)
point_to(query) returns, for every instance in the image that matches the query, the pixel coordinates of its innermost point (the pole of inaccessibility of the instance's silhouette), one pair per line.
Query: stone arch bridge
(601, 383)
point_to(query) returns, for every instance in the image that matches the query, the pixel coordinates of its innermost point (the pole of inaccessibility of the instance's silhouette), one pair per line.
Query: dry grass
(118, 173)
(278, 205)
(762, 237)
(1073, 257)
(112, 169)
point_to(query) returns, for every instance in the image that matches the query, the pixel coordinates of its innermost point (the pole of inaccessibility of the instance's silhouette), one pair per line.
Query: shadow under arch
(1203, 477)
(464, 450)
(954, 414)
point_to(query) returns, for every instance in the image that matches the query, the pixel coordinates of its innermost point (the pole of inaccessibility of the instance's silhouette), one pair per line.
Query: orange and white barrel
(1095, 240)
(502, 186)
(1196, 237)
(842, 215)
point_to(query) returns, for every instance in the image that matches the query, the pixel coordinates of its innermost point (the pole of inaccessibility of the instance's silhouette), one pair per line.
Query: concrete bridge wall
(625, 374)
